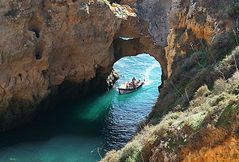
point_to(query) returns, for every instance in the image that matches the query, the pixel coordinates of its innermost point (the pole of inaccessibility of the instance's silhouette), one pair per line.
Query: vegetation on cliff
(210, 118)
(47, 44)
(196, 117)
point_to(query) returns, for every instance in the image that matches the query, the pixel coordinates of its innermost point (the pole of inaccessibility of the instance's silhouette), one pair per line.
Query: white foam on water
(148, 81)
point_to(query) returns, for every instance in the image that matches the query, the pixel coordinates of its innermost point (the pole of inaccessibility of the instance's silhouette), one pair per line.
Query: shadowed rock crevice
(12, 13)
(129, 47)
(38, 54)
(35, 24)
(36, 31)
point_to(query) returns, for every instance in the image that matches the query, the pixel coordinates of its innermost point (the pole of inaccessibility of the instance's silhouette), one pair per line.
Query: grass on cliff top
(199, 68)
(212, 96)
(215, 107)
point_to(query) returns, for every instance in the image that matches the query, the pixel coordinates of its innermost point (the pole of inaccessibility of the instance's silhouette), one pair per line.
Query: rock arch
(148, 30)
(135, 46)
(76, 42)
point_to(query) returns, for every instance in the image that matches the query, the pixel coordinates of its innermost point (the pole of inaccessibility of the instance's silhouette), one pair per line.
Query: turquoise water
(84, 130)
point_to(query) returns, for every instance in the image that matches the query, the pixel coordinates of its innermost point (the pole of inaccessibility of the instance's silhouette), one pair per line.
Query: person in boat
(138, 82)
(130, 85)
(127, 85)
(134, 84)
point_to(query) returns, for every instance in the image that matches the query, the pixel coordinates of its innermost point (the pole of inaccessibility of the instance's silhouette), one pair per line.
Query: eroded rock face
(44, 43)
(198, 26)
(156, 12)
(194, 25)
(47, 43)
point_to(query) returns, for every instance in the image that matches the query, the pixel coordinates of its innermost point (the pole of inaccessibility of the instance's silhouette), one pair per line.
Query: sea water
(84, 130)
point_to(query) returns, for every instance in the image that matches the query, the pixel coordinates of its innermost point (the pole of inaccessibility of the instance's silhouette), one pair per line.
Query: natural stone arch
(136, 46)
(72, 44)
(149, 32)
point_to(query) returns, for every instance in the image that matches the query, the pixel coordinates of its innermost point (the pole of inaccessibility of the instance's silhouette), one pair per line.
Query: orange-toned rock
(227, 151)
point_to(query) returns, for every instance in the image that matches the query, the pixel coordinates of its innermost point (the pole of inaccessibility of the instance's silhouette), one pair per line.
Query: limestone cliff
(52, 45)
(196, 116)
(48, 44)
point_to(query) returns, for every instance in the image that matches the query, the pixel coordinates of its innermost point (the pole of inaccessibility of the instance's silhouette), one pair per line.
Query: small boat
(124, 89)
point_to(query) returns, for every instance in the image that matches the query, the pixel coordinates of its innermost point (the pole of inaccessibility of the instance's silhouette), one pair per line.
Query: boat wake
(148, 81)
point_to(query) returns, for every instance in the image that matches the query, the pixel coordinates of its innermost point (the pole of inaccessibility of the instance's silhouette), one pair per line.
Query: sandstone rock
(47, 43)
(44, 43)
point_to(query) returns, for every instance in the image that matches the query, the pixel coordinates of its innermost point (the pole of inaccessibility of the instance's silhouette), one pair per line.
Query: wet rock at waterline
(112, 78)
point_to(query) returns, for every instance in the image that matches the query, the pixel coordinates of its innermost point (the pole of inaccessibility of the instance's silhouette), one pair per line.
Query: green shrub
(233, 9)
(132, 152)
(197, 59)
(226, 118)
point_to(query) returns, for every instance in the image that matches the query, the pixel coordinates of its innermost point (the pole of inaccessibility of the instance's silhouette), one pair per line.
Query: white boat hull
(129, 90)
